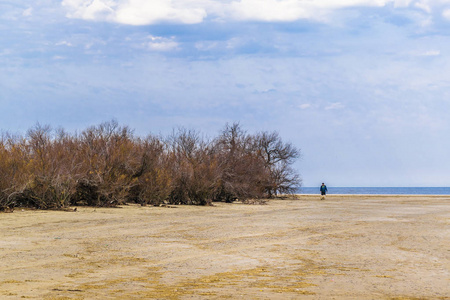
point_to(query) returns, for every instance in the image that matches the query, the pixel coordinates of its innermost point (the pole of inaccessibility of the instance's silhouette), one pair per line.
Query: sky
(361, 87)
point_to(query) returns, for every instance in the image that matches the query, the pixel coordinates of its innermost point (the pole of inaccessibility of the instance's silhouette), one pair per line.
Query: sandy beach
(344, 247)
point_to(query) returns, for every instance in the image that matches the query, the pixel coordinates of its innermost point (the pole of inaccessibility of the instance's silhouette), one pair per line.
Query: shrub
(106, 165)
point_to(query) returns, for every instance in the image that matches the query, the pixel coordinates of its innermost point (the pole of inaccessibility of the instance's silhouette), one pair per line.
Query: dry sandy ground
(345, 247)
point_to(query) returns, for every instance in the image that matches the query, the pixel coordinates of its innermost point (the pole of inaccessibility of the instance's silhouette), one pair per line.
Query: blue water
(379, 190)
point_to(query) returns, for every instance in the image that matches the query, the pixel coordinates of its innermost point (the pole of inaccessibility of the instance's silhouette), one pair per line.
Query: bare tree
(242, 171)
(13, 160)
(278, 156)
(195, 170)
(109, 159)
(153, 177)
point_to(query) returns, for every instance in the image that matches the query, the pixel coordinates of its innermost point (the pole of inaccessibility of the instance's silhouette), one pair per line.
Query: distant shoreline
(375, 195)
(377, 190)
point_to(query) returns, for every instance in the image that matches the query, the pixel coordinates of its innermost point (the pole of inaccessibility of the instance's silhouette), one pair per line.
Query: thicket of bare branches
(106, 165)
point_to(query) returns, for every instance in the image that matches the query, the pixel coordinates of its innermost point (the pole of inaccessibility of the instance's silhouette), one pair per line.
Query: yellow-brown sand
(343, 247)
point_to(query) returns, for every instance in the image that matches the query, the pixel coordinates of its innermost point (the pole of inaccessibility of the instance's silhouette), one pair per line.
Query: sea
(378, 190)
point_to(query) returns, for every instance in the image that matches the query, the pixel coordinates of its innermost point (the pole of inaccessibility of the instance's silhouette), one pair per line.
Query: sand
(344, 247)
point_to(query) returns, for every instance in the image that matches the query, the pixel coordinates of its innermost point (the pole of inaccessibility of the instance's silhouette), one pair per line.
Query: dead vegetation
(107, 165)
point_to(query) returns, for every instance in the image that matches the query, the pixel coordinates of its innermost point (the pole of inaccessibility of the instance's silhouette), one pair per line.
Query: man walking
(323, 191)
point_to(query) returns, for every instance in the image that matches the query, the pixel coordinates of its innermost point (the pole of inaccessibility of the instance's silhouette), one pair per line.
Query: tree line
(107, 165)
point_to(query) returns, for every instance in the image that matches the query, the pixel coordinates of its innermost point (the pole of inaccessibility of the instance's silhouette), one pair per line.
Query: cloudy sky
(360, 86)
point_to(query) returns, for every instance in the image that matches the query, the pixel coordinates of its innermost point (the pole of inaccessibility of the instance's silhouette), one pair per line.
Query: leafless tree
(153, 179)
(242, 171)
(278, 156)
(194, 166)
(109, 159)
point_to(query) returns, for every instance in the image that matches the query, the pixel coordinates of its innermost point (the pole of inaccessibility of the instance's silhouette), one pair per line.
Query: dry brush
(107, 165)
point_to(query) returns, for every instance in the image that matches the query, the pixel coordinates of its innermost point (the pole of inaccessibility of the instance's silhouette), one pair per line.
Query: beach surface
(343, 247)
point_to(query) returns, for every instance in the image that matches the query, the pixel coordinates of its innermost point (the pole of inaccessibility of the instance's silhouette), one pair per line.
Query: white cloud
(432, 53)
(269, 10)
(335, 105)
(424, 6)
(206, 45)
(28, 12)
(289, 10)
(304, 106)
(58, 57)
(90, 9)
(446, 14)
(161, 44)
(137, 12)
(143, 12)
(424, 53)
(402, 3)
(64, 43)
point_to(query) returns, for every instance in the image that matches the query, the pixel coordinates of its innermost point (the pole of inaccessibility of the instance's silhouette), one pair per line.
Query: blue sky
(361, 87)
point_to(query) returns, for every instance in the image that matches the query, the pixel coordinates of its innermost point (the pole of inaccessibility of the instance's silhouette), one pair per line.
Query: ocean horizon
(379, 190)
